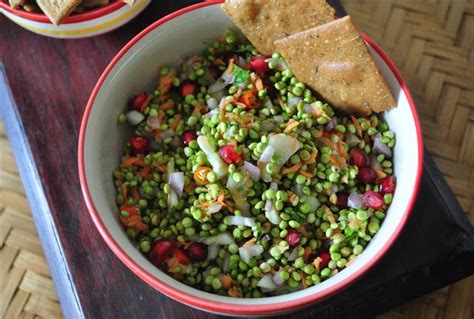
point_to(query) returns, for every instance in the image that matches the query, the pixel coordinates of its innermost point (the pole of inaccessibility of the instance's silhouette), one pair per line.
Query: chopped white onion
(167, 133)
(267, 103)
(308, 108)
(176, 181)
(238, 191)
(221, 239)
(292, 101)
(266, 237)
(299, 190)
(210, 114)
(277, 279)
(271, 214)
(212, 252)
(219, 85)
(153, 122)
(212, 103)
(351, 139)
(268, 126)
(267, 283)
(278, 118)
(380, 147)
(248, 252)
(172, 199)
(374, 163)
(239, 221)
(134, 117)
(274, 186)
(225, 264)
(281, 145)
(354, 200)
(241, 62)
(293, 255)
(253, 171)
(219, 166)
(267, 154)
(332, 124)
(214, 208)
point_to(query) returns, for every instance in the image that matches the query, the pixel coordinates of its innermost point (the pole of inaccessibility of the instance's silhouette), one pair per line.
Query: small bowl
(81, 25)
(178, 35)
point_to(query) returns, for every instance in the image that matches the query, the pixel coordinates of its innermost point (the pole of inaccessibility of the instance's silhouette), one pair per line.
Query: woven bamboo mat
(432, 43)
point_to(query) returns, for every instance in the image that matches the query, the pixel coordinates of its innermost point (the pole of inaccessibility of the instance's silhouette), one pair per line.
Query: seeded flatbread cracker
(57, 10)
(334, 61)
(264, 21)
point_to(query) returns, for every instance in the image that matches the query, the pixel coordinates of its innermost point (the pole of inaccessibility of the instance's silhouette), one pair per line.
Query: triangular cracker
(264, 21)
(334, 61)
(16, 3)
(57, 10)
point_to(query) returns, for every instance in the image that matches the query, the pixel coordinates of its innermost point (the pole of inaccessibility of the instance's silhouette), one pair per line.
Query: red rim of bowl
(222, 307)
(78, 17)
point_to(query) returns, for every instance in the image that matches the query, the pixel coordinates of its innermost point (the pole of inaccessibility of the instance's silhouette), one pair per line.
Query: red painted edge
(195, 300)
(78, 17)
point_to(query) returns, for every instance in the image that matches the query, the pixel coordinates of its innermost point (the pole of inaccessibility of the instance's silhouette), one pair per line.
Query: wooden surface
(26, 289)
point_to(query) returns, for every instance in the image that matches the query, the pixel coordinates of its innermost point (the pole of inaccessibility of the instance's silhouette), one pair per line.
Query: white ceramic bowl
(80, 25)
(100, 145)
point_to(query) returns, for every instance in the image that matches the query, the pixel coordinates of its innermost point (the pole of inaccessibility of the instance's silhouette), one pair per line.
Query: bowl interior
(136, 70)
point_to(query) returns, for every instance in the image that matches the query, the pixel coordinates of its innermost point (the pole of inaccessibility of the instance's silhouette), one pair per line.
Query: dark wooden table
(44, 87)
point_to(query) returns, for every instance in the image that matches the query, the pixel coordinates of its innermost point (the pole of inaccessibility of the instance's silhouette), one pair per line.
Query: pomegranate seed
(359, 158)
(342, 199)
(139, 143)
(229, 154)
(188, 88)
(189, 136)
(366, 175)
(293, 238)
(373, 200)
(161, 251)
(197, 252)
(181, 256)
(326, 257)
(258, 63)
(137, 101)
(387, 185)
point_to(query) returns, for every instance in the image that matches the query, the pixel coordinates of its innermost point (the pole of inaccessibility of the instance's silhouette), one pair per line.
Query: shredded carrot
(165, 84)
(221, 197)
(233, 292)
(306, 174)
(312, 157)
(337, 160)
(292, 169)
(327, 142)
(380, 174)
(357, 125)
(189, 187)
(167, 105)
(145, 103)
(219, 62)
(133, 161)
(250, 242)
(124, 191)
(157, 135)
(119, 176)
(145, 172)
(135, 194)
(258, 83)
(307, 252)
(303, 279)
(226, 281)
(291, 125)
(197, 109)
(176, 122)
(281, 102)
(329, 213)
(303, 231)
(341, 150)
(317, 262)
(292, 197)
(161, 117)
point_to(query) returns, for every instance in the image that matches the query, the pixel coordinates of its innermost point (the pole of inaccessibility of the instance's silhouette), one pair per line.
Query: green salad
(238, 181)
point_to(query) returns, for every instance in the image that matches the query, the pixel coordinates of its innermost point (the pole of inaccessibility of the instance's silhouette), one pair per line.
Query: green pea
(284, 275)
(275, 252)
(145, 246)
(357, 250)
